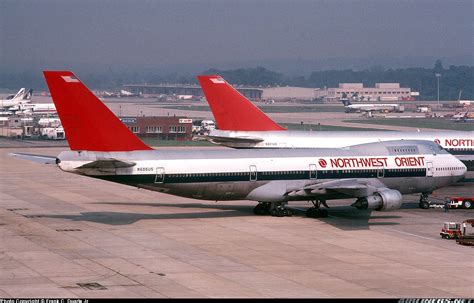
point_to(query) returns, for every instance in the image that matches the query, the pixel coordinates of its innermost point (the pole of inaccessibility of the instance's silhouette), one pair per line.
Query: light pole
(438, 76)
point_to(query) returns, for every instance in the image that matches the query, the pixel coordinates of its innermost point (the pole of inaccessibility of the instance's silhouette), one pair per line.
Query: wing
(347, 187)
(280, 190)
(35, 158)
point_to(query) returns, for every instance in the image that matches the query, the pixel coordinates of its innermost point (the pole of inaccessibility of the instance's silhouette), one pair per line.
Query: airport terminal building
(164, 128)
(356, 91)
(381, 92)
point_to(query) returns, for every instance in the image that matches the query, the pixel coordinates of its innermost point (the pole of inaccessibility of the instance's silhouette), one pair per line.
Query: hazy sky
(51, 33)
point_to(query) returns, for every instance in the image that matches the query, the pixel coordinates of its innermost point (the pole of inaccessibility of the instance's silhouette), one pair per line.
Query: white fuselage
(372, 107)
(15, 102)
(18, 99)
(456, 142)
(237, 174)
(36, 108)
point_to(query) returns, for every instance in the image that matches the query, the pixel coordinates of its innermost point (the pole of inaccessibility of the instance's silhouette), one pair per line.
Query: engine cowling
(383, 200)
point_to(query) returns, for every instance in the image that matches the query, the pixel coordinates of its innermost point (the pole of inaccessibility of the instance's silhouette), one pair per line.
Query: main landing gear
(316, 211)
(424, 201)
(276, 209)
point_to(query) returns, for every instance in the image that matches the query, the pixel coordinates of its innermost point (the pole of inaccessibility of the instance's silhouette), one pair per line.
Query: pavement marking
(407, 233)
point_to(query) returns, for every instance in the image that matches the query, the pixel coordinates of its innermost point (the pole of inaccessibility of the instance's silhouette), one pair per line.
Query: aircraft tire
(467, 204)
(261, 210)
(311, 213)
(424, 205)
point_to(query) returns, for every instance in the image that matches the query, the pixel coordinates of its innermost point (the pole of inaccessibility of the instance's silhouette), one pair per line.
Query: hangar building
(381, 92)
(165, 128)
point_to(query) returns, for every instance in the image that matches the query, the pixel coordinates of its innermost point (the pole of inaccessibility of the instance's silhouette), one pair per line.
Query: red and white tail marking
(70, 79)
(217, 80)
(231, 110)
(88, 123)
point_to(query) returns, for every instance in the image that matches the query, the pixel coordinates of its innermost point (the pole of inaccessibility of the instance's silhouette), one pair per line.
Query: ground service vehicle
(453, 202)
(451, 230)
(467, 235)
(461, 202)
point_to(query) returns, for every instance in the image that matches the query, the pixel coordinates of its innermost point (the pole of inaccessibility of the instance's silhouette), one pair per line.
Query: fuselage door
(160, 175)
(429, 169)
(380, 173)
(253, 173)
(313, 172)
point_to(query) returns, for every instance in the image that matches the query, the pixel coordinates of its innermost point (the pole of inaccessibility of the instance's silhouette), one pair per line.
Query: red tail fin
(231, 110)
(88, 123)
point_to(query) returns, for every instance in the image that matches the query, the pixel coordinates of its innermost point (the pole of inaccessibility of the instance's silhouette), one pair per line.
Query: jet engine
(384, 200)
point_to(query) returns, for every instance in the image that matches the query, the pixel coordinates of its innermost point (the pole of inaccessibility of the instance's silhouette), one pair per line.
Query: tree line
(452, 79)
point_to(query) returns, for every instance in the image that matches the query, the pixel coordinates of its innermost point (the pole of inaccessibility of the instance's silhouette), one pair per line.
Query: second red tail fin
(231, 110)
(88, 123)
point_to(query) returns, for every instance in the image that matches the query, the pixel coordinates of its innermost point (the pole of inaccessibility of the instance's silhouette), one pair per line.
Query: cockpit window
(403, 150)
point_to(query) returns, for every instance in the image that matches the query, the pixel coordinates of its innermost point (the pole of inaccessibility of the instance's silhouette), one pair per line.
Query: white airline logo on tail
(217, 80)
(70, 79)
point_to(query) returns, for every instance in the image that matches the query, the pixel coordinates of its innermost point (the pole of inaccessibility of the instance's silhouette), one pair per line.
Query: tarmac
(63, 235)
(133, 109)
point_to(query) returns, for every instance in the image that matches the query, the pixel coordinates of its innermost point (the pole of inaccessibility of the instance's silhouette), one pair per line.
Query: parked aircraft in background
(11, 96)
(107, 94)
(463, 116)
(35, 108)
(375, 174)
(21, 97)
(125, 93)
(243, 125)
(369, 107)
(184, 97)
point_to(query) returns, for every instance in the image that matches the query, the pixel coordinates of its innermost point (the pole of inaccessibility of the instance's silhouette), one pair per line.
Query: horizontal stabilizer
(246, 139)
(107, 164)
(35, 158)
